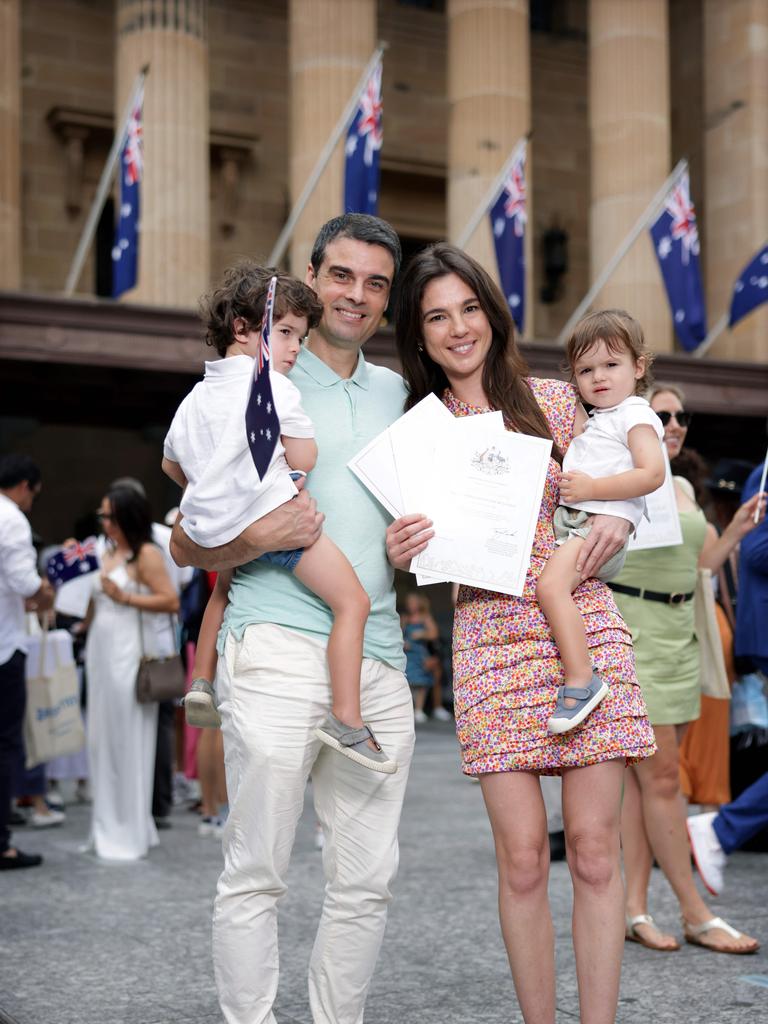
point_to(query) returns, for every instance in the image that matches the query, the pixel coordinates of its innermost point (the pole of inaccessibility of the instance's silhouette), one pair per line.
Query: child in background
(206, 452)
(608, 469)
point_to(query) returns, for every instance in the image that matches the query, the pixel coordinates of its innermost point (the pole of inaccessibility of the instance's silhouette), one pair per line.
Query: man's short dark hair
(242, 295)
(362, 227)
(15, 469)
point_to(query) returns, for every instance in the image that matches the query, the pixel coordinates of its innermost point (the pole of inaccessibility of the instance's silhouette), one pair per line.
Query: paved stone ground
(87, 943)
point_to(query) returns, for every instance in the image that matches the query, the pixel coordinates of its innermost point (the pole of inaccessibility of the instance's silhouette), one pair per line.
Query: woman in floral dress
(456, 339)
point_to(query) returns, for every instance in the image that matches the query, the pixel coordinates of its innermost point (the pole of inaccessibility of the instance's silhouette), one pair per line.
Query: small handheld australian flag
(261, 421)
(361, 152)
(72, 562)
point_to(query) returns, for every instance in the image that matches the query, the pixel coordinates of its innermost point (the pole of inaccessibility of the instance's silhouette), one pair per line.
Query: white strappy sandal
(693, 934)
(631, 933)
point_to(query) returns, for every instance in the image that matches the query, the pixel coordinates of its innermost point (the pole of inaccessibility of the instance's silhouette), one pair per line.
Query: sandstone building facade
(240, 98)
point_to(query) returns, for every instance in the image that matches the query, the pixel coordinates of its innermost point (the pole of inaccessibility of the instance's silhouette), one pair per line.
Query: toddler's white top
(208, 439)
(602, 449)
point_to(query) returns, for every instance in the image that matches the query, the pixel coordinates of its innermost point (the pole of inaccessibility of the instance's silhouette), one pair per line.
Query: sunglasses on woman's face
(683, 418)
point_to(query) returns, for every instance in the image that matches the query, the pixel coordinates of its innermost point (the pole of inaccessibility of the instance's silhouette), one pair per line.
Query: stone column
(174, 254)
(489, 95)
(630, 143)
(10, 145)
(736, 163)
(331, 41)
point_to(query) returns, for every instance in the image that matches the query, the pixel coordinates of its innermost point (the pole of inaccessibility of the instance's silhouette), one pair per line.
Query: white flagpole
(342, 124)
(712, 337)
(761, 488)
(641, 224)
(482, 207)
(105, 183)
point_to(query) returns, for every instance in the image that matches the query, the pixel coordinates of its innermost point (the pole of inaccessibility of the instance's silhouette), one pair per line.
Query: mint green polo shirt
(347, 414)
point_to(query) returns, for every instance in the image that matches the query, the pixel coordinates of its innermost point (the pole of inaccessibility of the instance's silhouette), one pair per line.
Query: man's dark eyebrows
(339, 269)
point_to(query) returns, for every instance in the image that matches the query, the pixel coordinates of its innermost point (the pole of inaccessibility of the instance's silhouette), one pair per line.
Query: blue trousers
(743, 817)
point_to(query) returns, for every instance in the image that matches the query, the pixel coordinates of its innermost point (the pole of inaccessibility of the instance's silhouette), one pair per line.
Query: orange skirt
(705, 751)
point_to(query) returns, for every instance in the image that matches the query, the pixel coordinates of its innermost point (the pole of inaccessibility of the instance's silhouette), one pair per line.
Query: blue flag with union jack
(125, 251)
(361, 161)
(261, 421)
(751, 288)
(72, 562)
(508, 218)
(676, 242)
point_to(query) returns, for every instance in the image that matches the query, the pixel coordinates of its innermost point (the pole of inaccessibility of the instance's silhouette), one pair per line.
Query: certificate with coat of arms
(486, 489)
(479, 483)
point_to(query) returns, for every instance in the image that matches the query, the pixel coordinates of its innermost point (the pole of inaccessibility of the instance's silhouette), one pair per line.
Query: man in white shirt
(21, 589)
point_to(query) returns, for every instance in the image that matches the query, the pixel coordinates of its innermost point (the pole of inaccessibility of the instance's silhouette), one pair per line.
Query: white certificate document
(662, 528)
(401, 452)
(486, 490)
(374, 467)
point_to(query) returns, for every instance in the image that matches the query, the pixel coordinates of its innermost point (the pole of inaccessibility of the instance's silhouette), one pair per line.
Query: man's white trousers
(273, 690)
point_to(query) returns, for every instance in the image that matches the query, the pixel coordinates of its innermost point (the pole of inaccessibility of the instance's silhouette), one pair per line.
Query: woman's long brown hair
(504, 367)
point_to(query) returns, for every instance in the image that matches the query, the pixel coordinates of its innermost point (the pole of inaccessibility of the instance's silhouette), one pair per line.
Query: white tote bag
(53, 724)
(714, 678)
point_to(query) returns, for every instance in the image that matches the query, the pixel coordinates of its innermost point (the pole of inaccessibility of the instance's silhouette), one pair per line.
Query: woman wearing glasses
(129, 614)
(654, 593)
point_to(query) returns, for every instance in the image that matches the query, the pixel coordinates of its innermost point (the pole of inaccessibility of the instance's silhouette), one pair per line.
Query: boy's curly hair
(242, 295)
(620, 332)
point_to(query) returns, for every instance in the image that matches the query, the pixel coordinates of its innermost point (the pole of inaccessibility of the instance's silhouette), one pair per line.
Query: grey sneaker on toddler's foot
(200, 706)
(353, 743)
(586, 697)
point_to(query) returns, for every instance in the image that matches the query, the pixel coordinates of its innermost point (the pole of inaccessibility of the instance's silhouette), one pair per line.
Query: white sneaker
(442, 714)
(38, 820)
(212, 827)
(54, 799)
(419, 717)
(708, 854)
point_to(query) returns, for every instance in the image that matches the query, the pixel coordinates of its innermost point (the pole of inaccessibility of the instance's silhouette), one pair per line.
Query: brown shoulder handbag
(159, 679)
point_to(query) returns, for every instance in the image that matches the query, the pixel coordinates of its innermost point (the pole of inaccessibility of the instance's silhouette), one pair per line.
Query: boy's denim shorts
(285, 559)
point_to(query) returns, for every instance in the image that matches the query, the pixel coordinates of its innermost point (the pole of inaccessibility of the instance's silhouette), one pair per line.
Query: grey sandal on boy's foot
(353, 743)
(587, 698)
(200, 706)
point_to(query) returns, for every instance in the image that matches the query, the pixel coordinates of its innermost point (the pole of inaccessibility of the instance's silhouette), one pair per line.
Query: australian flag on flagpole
(125, 251)
(261, 421)
(361, 160)
(676, 242)
(751, 288)
(508, 218)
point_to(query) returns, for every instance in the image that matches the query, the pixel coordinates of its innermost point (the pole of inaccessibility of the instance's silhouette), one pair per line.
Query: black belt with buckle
(651, 595)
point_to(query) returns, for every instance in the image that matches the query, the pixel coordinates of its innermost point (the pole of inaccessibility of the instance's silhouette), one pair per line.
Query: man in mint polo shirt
(272, 683)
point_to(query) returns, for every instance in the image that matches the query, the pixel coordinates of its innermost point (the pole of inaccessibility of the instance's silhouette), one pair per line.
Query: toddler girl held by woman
(608, 469)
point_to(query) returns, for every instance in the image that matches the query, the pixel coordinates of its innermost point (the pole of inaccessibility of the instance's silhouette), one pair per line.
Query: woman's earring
(420, 348)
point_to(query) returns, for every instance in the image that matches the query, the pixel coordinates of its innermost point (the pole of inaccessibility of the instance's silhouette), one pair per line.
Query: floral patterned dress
(506, 664)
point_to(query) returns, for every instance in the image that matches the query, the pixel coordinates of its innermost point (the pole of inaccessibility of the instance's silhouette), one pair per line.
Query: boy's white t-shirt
(208, 439)
(602, 449)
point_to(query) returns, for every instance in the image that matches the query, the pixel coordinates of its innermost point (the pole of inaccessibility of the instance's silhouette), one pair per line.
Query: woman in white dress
(133, 593)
